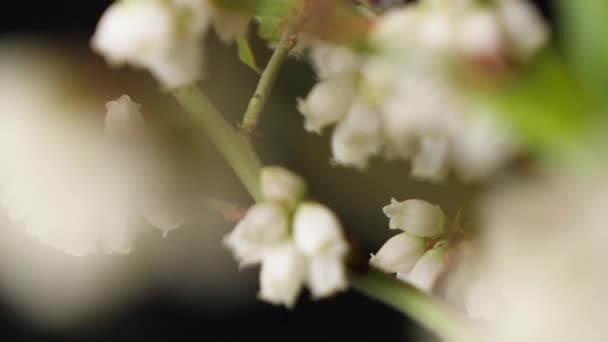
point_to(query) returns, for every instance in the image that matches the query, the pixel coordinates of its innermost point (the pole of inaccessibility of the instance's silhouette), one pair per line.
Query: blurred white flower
(78, 189)
(164, 37)
(415, 105)
(537, 274)
(308, 250)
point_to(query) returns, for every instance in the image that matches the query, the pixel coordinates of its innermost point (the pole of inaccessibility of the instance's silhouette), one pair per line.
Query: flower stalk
(269, 76)
(408, 300)
(234, 147)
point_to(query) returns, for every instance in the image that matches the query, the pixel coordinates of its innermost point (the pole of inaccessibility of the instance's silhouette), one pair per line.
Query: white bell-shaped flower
(357, 138)
(317, 231)
(281, 185)
(416, 217)
(326, 276)
(327, 103)
(282, 275)
(264, 226)
(399, 254)
(164, 37)
(426, 271)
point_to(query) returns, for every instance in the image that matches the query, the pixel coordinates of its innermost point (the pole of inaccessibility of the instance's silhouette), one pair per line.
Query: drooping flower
(79, 188)
(417, 254)
(297, 242)
(164, 37)
(407, 80)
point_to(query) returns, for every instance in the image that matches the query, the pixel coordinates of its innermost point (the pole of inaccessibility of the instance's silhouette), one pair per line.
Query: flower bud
(317, 231)
(416, 217)
(426, 270)
(326, 276)
(282, 275)
(327, 103)
(399, 253)
(281, 185)
(123, 118)
(263, 226)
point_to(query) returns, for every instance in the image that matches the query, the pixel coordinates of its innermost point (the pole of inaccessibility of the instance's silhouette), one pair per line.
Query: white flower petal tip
(399, 253)
(123, 118)
(317, 231)
(281, 185)
(326, 276)
(282, 276)
(426, 271)
(264, 226)
(416, 217)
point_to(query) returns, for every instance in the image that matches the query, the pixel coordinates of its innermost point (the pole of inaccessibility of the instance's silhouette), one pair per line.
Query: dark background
(347, 317)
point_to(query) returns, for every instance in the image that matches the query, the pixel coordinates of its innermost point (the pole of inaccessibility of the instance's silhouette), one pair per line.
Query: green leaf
(549, 111)
(246, 54)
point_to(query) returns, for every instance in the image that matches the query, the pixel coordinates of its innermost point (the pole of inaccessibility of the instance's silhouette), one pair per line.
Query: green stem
(234, 147)
(268, 78)
(407, 299)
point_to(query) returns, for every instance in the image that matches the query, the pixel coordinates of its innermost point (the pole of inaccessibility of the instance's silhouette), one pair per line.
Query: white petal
(327, 103)
(425, 272)
(357, 138)
(399, 253)
(525, 27)
(263, 227)
(431, 162)
(326, 276)
(317, 231)
(281, 185)
(282, 275)
(331, 61)
(123, 118)
(480, 34)
(416, 217)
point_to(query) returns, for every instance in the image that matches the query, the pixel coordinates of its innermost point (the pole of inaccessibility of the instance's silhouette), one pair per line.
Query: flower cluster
(417, 254)
(79, 189)
(164, 36)
(403, 96)
(297, 242)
